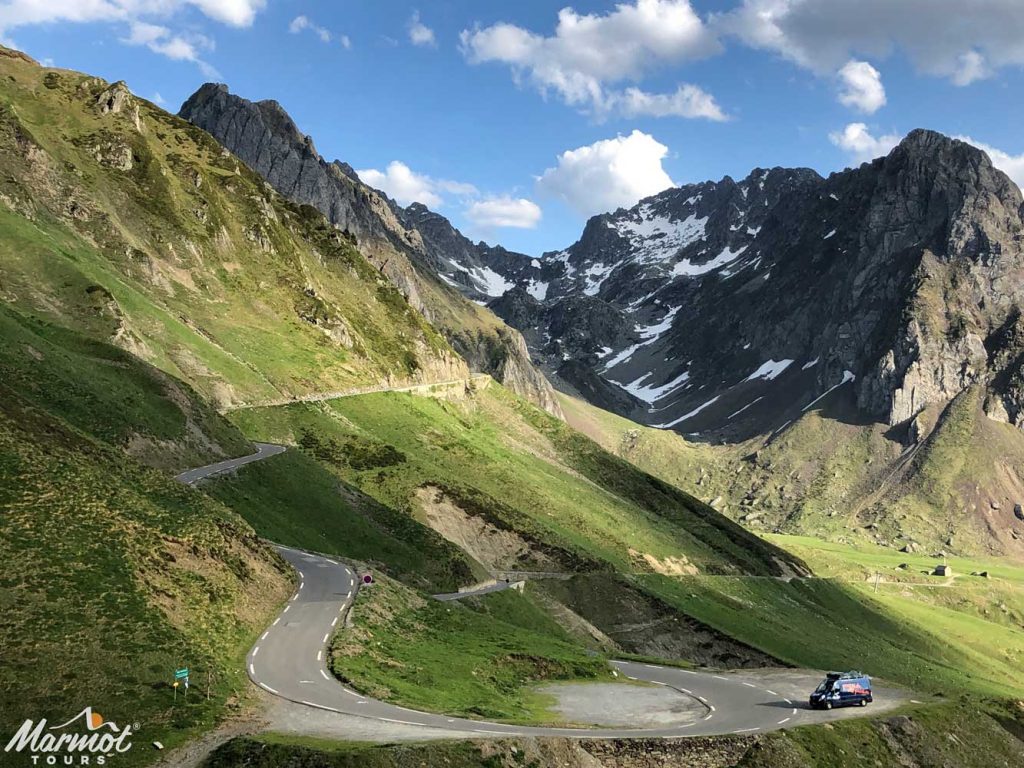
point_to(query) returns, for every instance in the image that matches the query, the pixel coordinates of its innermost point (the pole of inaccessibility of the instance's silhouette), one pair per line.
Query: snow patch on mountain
(689, 269)
(538, 290)
(655, 238)
(770, 370)
(490, 282)
(651, 394)
(690, 415)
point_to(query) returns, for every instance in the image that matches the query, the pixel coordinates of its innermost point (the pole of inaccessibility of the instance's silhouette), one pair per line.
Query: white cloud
(861, 87)
(239, 13)
(971, 66)
(687, 101)
(176, 47)
(302, 23)
(346, 41)
(504, 211)
(963, 40)
(403, 184)
(589, 53)
(420, 33)
(140, 16)
(19, 13)
(856, 140)
(400, 182)
(1011, 165)
(608, 174)
(158, 99)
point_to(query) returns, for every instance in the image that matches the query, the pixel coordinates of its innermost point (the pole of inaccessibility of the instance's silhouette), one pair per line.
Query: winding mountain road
(263, 451)
(290, 660)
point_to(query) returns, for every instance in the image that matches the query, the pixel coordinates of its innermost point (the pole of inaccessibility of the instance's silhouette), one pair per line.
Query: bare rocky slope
(419, 251)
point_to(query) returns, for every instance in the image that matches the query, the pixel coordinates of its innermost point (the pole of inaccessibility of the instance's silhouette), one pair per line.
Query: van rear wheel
(828, 705)
(863, 702)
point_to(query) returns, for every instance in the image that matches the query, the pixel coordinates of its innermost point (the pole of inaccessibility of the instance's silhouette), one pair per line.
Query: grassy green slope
(112, 395)
(113, 575)
(291, 499)
(136, 227)
(829, 475)
(518, 468)
(447, 657)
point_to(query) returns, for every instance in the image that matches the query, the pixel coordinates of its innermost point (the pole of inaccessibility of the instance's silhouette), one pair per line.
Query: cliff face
(423, 265)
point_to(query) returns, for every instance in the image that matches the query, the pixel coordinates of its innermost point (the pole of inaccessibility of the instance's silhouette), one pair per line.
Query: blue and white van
(842, 689)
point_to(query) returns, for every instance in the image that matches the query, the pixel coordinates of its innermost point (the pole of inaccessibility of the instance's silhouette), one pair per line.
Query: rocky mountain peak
(728, 308)
(419, 251)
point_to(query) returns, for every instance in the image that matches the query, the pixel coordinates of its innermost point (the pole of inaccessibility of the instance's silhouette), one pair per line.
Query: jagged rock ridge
(727, 309)
(419, 251)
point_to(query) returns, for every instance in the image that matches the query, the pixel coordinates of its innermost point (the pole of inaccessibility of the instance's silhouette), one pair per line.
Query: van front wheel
(828, 705)
(863, 702)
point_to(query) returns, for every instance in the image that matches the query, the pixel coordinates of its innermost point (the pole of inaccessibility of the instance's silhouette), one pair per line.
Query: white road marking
(746, 730)
(264, 635)
(652, 666)
(275, 621)
(335, 622)
(784, 720)
(325, 676)
(255, 651)
(794, 711)
(286, 609)
(787, 701)
(685, 690)
(319, 655)
(320, 706)
(266, 687)
(688, 671)
(347, 594)
(707, 716)
(719, 677)
(750, 685)
(712, 707)
(773, 693)
(703, 699)
(327, 637)
(251, 670)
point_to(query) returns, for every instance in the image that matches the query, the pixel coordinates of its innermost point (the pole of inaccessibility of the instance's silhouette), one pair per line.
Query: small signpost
(180, 678)
(367, 579)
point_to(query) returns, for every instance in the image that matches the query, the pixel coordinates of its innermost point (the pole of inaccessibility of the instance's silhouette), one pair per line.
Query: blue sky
(517, 122)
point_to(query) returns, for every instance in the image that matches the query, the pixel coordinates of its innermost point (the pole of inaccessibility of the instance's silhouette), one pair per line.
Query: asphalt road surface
(263, 451)
(289, 660)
